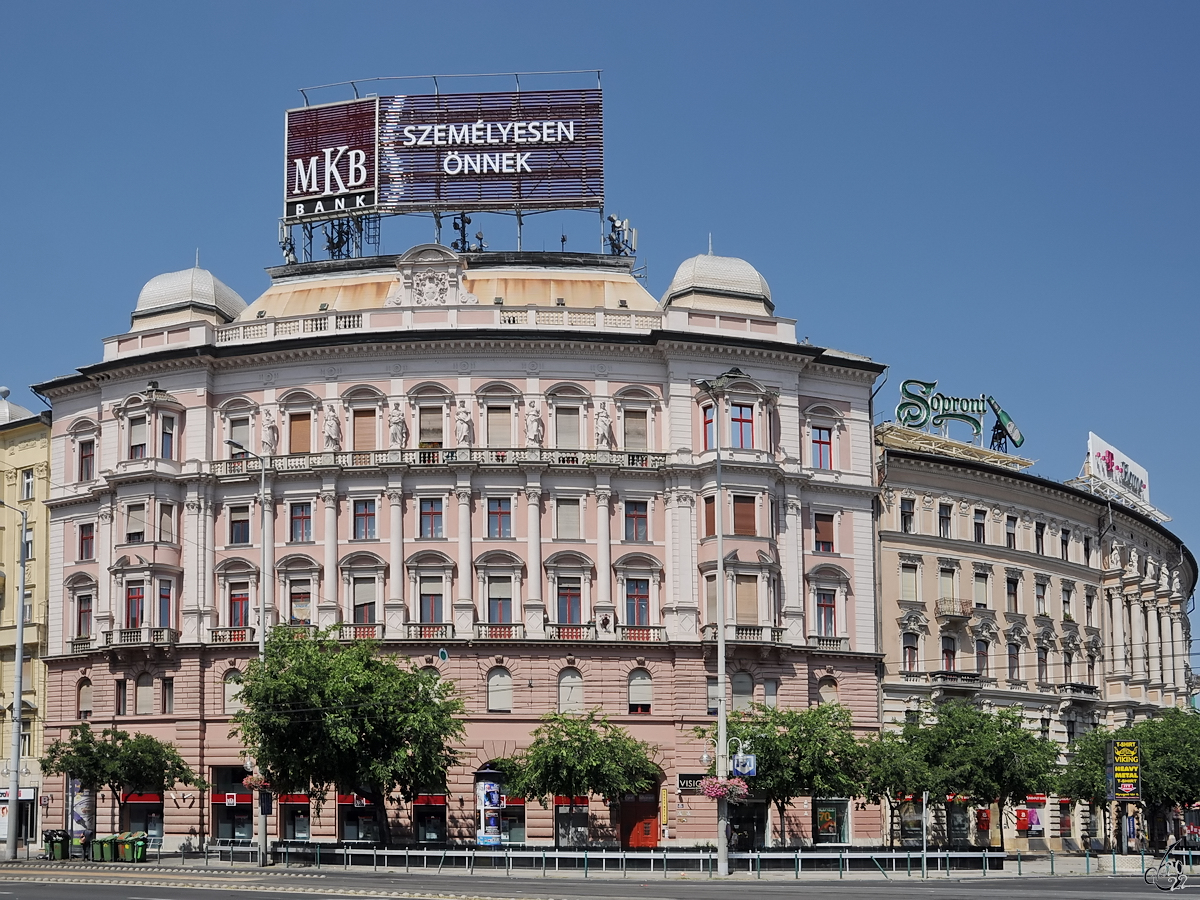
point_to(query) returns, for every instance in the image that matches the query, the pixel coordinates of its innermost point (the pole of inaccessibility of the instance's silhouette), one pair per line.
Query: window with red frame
(166, 614)
(239, 605)
(364, 520)
(710, 427)
(569, 601)
(431, 518)
(137, 437)
(83, 615)
(949, 654)
(911, 662)
(135, 604)
(742, 426)
(822, 448)
(637, 601)
(87, 460)
(87, 541)
(499, 517)
(635, 520)
(301, 522)
(981, 657)
(826, 614)
(823, 533)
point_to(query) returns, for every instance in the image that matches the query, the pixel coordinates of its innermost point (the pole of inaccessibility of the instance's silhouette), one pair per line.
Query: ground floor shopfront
(660, 692)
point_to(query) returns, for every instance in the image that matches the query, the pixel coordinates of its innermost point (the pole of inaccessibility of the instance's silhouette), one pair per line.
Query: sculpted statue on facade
(464, 428)
(1164, 577)
(535, 431)
(1114, 559)
(397, 428)
(333, 429)
(270, 435)
(1132, 567)
(603, 427)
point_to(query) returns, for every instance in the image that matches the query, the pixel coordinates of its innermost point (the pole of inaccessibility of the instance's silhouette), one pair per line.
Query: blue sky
(1002, 197)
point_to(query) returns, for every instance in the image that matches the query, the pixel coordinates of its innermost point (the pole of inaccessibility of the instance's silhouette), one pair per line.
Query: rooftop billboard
(507, 150)
(1114, 468)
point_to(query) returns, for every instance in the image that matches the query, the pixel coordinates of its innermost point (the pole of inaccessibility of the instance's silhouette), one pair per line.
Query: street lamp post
(713, 390)
(264, 582)
(14, 763)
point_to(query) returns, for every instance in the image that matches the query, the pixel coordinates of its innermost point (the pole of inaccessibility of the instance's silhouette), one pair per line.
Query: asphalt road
(35, 883)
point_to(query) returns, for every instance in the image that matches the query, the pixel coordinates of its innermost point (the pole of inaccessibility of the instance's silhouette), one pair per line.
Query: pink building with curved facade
(499, 455)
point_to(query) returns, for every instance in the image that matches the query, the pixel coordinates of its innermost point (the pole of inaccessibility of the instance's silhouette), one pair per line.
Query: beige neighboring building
(1013, 590)
(24, 485)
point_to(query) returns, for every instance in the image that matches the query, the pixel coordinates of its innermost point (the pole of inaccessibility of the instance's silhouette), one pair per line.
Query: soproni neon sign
(922, 405)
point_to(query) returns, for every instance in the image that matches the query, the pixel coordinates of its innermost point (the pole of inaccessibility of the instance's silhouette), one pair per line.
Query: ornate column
(1168, 646)
(535, 608)
(394, 610)
(1120, 665)
(1138, 615)
(267, 579)
(464, 605)
(1154, 659)
(105, 614)
(206, 589)
(791, 581)
(604, 610)
(327, 604)
(1180, 654)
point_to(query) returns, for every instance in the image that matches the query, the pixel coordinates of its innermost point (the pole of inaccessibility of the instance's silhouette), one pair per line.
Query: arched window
(827, 691)
(641, 692)
(743, 690)
(84, 702)
(570, 691)
(233, 691)
(143, 698)
(499, 690)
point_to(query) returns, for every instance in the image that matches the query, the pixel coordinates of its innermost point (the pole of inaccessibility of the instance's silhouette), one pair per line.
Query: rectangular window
(1065, 544)
(166, 523)
(710, 427)
(636, 520)
(137, 437)
(1067, 598)
(299, 432)
(1014, 661)
(1039, 537)
(944, 510)
(907, 514)
(122, 696)
(166, 444)
(911, 659)
(364, 520)
(981, 657)
(499, 517)
(822, 448)
(745, 599)
(741, 426)
(980, 526)
(714, 697)
(239, 604)
(431, 420)
(1087, 551)
(637, 601)
(87, 540)
(567, 514)
(364, 601)
(239, 524)
(1039, 593)
(1043, 664)
(300, 602)
(744, 516)
(823, 533)
(1089, 606)
(135, 523)
(500, 601)
(499, 426)
(710, 516)
(946, 584)
(771, 692)
(168, 696)
(908, 583)
(1010, 533)
(431, 518)
(710, 598)
(135, 604)
(637, 436)
(363, 425)
(301, 522)
(239, 433)
(431, 600)
(87, 460)
(27, 484)
(29, 543)
(981, 590)
(949, 654)
(83, 615)
(1068, 667)
(569, 601)
(826, 614)
(566, 427)
(1010, 595)
(166, 615)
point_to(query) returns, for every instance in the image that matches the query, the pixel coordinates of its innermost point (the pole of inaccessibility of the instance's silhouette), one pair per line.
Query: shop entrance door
(639, 821)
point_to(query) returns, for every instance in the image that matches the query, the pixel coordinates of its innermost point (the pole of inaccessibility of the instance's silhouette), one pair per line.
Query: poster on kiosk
(487, 802)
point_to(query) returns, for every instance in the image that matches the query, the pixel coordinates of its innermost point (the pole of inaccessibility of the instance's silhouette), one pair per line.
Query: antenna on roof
(621, 238)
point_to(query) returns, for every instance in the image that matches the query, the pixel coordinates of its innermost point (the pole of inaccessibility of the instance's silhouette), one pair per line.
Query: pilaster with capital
(605, 611)
(1154, 663)
(792, 564)
(395, 612)
(328, 609)
(1137, 614)
(464, 604)
(534, 607)
(1179, 655)
(1119, 660)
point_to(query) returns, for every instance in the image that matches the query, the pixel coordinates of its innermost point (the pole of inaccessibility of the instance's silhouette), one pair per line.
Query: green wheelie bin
(138, 846)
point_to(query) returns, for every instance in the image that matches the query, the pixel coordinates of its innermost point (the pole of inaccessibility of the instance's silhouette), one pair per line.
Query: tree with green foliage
(577, 756)
(1083, 778)
(1170, 750)
(121, 762)
(319, 714)
(799, 753)
(895, 764)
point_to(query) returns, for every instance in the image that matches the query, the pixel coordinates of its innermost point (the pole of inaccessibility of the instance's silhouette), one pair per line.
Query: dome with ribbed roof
(718, 282)
(9, 411)
(190, 287)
